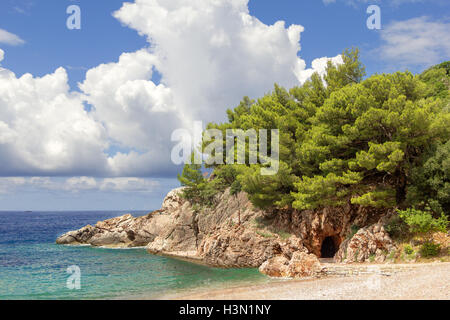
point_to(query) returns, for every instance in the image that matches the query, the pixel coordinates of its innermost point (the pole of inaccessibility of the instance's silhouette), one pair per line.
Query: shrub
(430, 249)
(353, 230)
(408, 250)
(284, 235)
(396, 227)
(422, 222)
(264, 234)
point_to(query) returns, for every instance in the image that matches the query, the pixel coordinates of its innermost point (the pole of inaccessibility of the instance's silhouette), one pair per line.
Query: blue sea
(32, 266)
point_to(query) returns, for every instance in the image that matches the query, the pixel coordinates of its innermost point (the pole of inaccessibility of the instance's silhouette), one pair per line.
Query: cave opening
(329, 248)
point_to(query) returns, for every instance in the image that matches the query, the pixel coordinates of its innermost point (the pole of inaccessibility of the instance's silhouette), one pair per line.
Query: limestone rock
(77, 237)
(235, 234)
(369, 244)
(275, 267)
(173, 200)
(301, 265)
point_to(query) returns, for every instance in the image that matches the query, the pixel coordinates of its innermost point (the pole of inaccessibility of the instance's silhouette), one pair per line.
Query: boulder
(275, 267)
(369, 244)
(80, 236)
(301, 265)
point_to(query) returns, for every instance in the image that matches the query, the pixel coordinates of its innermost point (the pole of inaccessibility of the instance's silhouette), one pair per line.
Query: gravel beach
(424, 281)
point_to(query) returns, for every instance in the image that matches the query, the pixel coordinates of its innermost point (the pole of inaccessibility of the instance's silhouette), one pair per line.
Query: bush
(422, 222)
(430, 249)
(408, 250)
(396, 228)
(353, 230)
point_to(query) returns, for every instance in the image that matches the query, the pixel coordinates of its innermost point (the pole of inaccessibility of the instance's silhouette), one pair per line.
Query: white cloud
(78, 184)
(210, 54)
(128, 185)
(44, 129)
(8, 185)
(2, 55)
(10, 38)
(318, 65)
(415, 42)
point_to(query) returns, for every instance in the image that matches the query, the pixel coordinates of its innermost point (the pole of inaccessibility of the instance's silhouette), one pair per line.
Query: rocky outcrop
(284, 243)
(314, 226)
(124, 231)
(300, 265)
(174, 224)
(371, 244)
(213, 236)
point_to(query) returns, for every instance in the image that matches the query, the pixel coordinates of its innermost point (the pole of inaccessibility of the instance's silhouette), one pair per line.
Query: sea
(32, 266)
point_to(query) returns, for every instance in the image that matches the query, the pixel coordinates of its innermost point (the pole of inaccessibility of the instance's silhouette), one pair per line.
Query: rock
(173, 200)
(77, 237)
(369, 244)
(275, 267)
(215, 237)
(301, 265)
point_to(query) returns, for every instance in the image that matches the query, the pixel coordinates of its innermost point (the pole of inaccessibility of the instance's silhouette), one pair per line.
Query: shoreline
(428, 281)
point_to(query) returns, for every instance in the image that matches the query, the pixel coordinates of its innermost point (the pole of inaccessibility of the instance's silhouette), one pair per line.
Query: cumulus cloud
(136, 113)
(415, 42)
(44, 129)
(10, 38)
(213, 53)
(2, 55)
(209, 54)
(318, 66)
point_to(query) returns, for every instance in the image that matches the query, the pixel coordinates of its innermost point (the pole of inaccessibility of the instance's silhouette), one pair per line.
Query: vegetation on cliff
(381, 141)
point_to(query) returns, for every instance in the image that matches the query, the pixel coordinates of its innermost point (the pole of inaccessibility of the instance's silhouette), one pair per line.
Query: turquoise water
(32, 266)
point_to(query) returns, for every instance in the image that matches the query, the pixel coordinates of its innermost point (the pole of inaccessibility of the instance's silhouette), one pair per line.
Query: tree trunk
(400, 192)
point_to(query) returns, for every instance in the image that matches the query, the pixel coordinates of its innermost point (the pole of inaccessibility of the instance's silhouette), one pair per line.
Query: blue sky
(128, 137)
(329, 29)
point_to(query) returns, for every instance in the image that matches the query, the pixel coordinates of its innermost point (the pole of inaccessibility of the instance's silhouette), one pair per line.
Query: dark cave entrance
(329, 248)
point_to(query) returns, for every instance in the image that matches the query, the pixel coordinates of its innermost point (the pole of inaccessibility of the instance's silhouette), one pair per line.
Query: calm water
(32, 266)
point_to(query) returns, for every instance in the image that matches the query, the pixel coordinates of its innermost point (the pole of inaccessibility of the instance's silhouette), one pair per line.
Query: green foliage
(430, 185)
(192, 178)
(264, 234)
(379, 142)
(351, 71)
(284, 235)
(265, 191)
(353, 230)
(437, 79)
(422, 222)
(430, 249)
(408, 250)
(396, 227)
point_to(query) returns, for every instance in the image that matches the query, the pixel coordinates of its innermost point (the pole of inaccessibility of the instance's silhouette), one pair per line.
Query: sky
(86, 115)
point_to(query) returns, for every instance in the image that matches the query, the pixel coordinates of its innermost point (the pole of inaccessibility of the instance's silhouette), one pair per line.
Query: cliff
(283, 243)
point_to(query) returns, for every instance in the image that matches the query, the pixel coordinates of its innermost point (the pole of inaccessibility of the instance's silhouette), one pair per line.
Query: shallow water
(32, 266)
